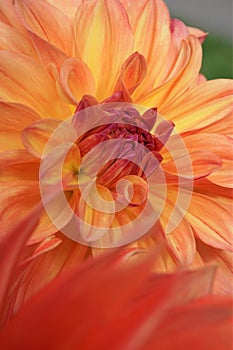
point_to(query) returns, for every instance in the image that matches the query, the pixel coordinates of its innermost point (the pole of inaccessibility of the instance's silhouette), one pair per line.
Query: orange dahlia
(93, 73)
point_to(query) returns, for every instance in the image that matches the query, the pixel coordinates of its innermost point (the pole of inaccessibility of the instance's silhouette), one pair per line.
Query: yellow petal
(104, 39)
(199, 107)
(150, 21)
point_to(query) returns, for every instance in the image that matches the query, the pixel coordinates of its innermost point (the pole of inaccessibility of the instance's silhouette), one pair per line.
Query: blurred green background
(217, 58)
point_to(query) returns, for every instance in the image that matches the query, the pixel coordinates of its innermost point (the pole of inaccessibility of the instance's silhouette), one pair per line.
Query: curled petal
(198, 33)
(76, 80)
(132, 74)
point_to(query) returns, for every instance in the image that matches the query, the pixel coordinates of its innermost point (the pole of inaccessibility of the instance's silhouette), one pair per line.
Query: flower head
(76, 79)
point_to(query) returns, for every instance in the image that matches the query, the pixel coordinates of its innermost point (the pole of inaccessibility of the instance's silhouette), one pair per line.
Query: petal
(208, 103)
(214, 230)
(210, 318)
(194, 165)
(220, 145)
(102, 28)
(76, 80)
(181, 242)
(35, 136)
(12, 40)
(25, 82)
(150, 21)
(14, 117)
(198, 33)
(18, 165)
(94, 222)
(132, 74)
(185, 71)
(223, 282)
(223, 176)
(10, 253)
(13, 203)
(68, 7)
(52, 256)
(48, 22)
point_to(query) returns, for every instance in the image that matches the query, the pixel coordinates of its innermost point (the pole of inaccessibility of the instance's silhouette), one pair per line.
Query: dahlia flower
(116, 302)
(140, 71)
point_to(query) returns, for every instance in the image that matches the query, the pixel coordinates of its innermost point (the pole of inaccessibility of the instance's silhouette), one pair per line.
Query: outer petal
(141, 298)
(18, 165)
(206, 324)
(47, 22)
(23, 81)
(12, 40)
(53, 256)
(68, 7)
(220, 145)
(14, 117)
(214, 226)
(10, 253)
(102, 28)
(223, 281)
(208, 103)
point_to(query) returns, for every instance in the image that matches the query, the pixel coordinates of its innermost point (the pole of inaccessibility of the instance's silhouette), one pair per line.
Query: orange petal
(220, 145)
(185, 71)
(223, 176)
(214, 230)
(208, 103)
(36, 136)
(53, 256)
(102, 28)
(76, 80)
(94, 222)
(10, 253)
(223, 282)
(150, 21)
(14, 117)
(180, 241)
(132, 74)
(18, 165)
(194, 165)
(47, 22)
(12, 40)
(25, 82)
(68, 7)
